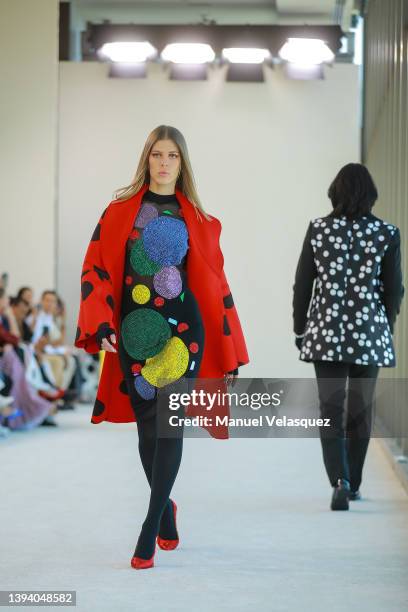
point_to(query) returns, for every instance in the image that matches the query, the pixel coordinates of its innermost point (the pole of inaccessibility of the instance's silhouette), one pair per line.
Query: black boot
(341, 494)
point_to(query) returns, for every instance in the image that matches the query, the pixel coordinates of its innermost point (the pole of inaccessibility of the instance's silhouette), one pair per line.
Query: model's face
(49, 303)
(164, 162)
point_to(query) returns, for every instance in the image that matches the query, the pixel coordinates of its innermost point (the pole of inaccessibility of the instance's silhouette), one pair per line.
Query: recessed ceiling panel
(305, 6)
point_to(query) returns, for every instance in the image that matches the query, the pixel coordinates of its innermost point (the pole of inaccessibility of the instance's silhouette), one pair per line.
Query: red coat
(101, 291)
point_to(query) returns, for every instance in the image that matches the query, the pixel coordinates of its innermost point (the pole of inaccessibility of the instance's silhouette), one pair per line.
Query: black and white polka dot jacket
(348, 290)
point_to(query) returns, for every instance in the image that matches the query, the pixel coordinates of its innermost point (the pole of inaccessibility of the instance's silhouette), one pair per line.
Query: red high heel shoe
(139, 563)
(169, 544)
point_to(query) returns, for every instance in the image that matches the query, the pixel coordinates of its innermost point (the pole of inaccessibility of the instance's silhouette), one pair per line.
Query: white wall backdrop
(263, 156)
(28, 141)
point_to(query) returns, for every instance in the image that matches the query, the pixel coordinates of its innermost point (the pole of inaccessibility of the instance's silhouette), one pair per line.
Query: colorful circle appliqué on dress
(167, 282)
(165, 240)
(140, 294)
(140, 261)
(146, 214)
(144, 333)
(169, 365)
(144, 388)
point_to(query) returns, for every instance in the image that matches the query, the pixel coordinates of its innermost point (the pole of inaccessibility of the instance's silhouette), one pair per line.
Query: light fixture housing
(127, 70)
(128, 52)
(188, 53)
(245, 55)
(306, 51)
(304, 73)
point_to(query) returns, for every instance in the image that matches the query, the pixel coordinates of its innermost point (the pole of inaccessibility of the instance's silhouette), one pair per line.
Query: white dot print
(347, 320)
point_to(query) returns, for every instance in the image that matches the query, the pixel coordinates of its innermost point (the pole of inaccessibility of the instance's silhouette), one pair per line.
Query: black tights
(161, 457)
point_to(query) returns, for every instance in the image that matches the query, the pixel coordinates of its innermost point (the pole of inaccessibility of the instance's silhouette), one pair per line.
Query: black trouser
(345, 442)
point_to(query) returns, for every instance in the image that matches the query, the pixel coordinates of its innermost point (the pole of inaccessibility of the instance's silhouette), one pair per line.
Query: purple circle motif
(144, 388)
(167, 282)
(146, 214)
(166, 240)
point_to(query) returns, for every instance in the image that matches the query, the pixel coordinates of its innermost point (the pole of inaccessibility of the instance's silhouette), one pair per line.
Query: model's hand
(107, 346)
(230, 378)
(298, 342)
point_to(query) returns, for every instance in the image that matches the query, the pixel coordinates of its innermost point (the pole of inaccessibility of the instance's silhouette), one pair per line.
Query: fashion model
(155, 297)
(355, 261)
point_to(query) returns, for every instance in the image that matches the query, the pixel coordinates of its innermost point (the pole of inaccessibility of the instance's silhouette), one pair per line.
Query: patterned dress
(161, 334)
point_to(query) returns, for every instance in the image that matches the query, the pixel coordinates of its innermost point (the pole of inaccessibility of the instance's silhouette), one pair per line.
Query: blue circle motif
(165, 240)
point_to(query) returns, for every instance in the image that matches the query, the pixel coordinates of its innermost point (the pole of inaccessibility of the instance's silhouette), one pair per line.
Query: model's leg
(147, 438)
(147, 447)
(362, 383)
(331, 381)
(166, 463)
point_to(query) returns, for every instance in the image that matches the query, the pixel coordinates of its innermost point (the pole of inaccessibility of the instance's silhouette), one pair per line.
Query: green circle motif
(144, 333)
(141, 262)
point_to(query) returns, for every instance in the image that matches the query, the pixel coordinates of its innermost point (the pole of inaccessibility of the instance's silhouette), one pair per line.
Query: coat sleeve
(233, 342)
(95, 317)
(391, 279)
(306, 273)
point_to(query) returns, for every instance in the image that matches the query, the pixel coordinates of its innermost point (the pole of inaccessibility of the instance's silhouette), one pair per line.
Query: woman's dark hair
(21, 291)
(17, 300)
(353, 192)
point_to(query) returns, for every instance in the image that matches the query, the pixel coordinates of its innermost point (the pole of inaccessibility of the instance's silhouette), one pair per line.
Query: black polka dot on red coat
(99, 408)
(123, 387)
(110, 301)
(228, 301)
(226, 329)
(78, 334)
(103, 326)
(97, 233)
(86, 289)
(103, 275)
(84, 272)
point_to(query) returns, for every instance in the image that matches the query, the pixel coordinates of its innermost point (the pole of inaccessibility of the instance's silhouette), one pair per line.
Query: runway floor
(256, 532)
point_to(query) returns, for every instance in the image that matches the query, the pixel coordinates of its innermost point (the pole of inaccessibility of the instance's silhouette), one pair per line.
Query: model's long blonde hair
(185, 182)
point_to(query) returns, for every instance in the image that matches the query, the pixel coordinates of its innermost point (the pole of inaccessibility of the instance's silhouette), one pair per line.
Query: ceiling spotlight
(128, 51)
(188, 53)
(306, 51)
(243, 55)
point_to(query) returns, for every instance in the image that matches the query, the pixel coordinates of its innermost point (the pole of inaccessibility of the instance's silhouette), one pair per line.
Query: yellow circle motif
(141, 294)
(168, 365)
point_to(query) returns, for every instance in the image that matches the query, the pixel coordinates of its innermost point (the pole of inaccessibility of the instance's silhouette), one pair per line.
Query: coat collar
(203, 235)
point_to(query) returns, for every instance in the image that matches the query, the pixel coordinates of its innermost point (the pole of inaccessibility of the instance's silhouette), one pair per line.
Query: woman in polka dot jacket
(346, 297)
(155, 297)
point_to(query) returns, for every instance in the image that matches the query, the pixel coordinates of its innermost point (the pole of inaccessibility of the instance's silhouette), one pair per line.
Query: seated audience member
(29, 408)
(20, 309)
(27, 294)
(56, 352)
(6, 400)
